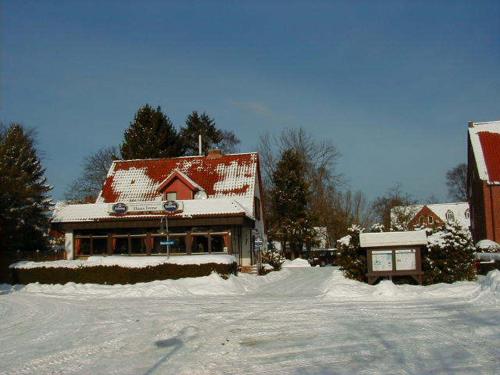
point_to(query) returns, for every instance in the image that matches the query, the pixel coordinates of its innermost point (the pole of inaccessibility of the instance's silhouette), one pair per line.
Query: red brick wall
(491, 194)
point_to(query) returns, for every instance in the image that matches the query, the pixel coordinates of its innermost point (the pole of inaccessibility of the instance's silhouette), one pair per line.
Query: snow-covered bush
(273, 258)
(351, 258)
(487, 246)
(377, 227)
(450, 256)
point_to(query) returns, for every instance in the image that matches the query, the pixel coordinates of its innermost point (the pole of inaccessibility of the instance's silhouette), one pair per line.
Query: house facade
(483, 179)
(431, 215)
(187, 205)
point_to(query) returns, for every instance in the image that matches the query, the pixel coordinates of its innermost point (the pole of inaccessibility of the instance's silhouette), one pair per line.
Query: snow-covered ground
(298, 320)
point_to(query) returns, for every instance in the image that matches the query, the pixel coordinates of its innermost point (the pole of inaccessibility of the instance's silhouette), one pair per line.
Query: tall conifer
(151, 135)
(24, 201)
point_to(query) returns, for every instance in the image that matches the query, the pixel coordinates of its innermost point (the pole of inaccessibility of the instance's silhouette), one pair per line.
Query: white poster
(382, 260)
(406, 260)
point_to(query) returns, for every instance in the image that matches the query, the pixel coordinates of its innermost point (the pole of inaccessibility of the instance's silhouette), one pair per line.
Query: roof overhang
(389, 239)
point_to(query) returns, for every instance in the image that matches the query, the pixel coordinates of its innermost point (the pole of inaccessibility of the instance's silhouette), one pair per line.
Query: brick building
(483, 180)
(431, 215)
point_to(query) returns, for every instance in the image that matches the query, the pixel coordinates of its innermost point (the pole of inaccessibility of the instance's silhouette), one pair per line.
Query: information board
(406, 260)
(382, 260)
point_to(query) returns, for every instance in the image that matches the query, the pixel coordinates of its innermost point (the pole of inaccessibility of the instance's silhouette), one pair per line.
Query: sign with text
(144, 207)
(382, 260)
(406, 260)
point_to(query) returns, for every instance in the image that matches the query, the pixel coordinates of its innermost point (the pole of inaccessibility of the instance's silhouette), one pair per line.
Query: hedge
(117, 274)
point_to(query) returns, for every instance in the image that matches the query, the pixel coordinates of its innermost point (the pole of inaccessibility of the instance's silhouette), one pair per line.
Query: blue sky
(392, 83)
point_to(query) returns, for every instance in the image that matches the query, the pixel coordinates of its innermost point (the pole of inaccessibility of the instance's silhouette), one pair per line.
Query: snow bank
(212, 285)
(487, 246)
(128, 261)
(338, 288)
(297, 263)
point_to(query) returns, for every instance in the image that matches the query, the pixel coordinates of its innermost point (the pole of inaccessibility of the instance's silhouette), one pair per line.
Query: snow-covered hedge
(450, 256)
(122, 270)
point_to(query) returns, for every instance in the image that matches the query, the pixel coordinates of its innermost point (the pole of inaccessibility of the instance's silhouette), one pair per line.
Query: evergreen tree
(291, 221)
(151, 135)
(24, 202)
(197, 124)
(351, 258)
(450, 256)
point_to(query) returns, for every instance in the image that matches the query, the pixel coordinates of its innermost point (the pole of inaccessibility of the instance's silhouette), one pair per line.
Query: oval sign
(171, 206)
(120, 208)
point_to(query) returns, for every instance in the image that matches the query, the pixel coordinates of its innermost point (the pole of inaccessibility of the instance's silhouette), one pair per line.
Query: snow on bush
(128, 261)
(450, 255)
(273, 258)
(487, 246)
(351, 258)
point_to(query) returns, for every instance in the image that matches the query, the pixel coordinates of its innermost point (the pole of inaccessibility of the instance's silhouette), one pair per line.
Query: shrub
(450, 256)
(273, 258)
(117, 274)
(351, 258)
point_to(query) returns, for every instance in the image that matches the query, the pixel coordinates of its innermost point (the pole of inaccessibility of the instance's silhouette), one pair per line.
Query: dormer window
(178, 186)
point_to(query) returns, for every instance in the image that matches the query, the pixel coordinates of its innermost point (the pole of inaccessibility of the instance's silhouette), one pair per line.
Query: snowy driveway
(303, 321)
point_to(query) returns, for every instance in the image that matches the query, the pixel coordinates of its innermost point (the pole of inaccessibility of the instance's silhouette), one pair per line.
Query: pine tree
(24, 201)
(450, 256)
(197, 124)
(291, 219)
(351, 257)
(151, 135)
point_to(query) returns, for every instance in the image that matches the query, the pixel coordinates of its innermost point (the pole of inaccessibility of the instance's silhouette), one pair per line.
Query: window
(421, 220)
(256, 202)
(172, 196)
(431, 220)
(467, 214)
(450, 216)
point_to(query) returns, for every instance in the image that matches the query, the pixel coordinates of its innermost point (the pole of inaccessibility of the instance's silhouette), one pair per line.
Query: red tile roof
(490, 143)
(139, 180)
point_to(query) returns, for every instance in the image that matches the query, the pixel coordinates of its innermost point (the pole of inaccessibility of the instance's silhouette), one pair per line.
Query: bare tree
(87, 186)
(394, 197)
(456, 180)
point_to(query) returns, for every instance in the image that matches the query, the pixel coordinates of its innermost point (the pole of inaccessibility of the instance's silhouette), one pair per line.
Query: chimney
(471, 124)
(214, 153)
(199, 144)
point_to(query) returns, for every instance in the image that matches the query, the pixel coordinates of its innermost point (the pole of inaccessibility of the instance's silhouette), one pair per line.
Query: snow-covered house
(483, 179)
(430, 215)
(190, 205)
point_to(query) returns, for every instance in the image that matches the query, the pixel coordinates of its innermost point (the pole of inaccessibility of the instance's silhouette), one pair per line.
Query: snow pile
(212, 285)
(339, 288)
(297, 263)
(128, 261)
(491, 282)
(488, 257)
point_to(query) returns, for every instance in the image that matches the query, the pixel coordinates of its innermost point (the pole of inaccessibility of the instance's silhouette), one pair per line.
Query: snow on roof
(191, 208)
(232, 175)
(485, 141)
(460, 211)
(382, 239)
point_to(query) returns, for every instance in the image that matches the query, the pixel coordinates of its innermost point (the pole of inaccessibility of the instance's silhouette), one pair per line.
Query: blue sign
(119, 208)
(171, 206)
(168, 242)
